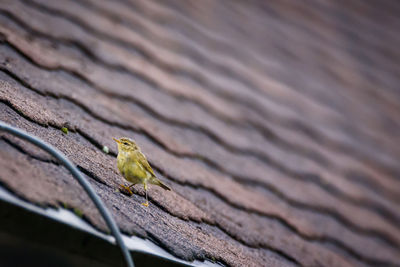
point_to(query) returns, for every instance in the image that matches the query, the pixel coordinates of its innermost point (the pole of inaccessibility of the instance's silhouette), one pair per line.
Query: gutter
(35, 236)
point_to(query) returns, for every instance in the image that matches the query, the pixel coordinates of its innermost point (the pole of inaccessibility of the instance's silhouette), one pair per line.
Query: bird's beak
(116, 140)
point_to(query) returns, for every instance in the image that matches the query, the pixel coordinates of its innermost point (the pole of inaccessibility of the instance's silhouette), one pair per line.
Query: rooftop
(275, 124)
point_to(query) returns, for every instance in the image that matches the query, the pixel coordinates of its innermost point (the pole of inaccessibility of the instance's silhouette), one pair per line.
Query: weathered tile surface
(276, 125)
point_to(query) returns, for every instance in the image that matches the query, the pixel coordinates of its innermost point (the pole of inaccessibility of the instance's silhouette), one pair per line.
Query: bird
(134, 167)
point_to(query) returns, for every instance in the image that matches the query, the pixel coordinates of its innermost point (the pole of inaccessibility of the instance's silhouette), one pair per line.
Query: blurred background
(276, 123)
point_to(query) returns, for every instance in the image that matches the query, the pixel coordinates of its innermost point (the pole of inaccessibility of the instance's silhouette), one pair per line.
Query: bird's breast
(132, 170)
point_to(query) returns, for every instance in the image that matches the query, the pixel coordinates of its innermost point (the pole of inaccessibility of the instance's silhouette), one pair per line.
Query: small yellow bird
(133, 166)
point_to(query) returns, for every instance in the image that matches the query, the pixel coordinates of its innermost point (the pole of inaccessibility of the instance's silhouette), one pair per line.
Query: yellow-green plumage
(133, 165)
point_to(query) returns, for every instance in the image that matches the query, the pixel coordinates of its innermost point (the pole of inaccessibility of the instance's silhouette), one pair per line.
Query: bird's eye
(125, 143)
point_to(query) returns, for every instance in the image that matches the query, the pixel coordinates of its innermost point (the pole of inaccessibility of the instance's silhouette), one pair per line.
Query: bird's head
(126, 145)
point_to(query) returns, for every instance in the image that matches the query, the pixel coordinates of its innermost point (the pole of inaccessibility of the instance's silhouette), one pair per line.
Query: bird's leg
(127, 189)
(146, 204)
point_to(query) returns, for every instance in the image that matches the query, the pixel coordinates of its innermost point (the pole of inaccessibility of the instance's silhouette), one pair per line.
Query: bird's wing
(141, 158)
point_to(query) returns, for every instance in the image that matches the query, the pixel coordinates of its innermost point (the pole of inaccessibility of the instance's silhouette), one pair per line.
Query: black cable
(82, 181)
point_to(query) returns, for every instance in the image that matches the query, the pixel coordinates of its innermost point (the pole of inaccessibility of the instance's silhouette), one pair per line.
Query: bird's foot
(146, 204)
(125, 190)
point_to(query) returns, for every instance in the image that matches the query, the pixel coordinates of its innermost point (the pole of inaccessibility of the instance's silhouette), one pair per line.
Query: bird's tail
(156, 181)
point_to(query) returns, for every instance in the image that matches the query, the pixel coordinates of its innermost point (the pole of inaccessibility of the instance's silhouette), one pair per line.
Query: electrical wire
(82, 181)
